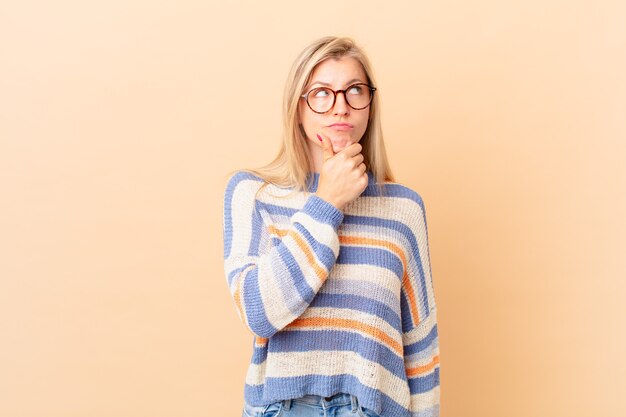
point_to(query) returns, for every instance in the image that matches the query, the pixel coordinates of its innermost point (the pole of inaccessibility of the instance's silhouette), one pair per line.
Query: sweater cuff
(322, 211)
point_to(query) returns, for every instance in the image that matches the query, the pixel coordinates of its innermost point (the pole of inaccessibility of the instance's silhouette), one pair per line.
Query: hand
(342, 177)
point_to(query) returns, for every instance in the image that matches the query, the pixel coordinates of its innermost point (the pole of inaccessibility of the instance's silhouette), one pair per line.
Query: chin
(341, 145)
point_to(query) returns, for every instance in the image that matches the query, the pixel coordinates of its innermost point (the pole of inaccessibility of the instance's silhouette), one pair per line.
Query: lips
(343, 127)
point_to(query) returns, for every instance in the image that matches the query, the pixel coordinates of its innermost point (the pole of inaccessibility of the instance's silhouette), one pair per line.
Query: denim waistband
(325, 402)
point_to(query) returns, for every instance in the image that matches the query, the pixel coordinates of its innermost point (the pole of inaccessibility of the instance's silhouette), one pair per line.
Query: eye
(356, 89)
(320, 92)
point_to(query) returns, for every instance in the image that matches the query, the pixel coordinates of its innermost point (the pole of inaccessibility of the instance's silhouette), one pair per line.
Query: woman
(327, 258)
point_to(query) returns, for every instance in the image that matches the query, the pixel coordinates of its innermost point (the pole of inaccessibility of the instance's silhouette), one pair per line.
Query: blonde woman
(327, 258)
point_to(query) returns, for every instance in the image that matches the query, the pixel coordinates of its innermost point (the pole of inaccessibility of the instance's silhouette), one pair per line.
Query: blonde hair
(292, 164)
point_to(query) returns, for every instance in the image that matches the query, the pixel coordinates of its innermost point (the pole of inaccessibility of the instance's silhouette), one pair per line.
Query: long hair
(292, 164)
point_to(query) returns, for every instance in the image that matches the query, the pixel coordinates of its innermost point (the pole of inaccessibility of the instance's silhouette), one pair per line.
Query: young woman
(327, 258)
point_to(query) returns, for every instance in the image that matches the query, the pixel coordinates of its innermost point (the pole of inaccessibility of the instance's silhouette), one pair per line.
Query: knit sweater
(336, 300)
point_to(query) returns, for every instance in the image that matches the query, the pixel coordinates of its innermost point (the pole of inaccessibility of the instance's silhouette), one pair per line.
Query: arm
(419, 323)
(273, 287)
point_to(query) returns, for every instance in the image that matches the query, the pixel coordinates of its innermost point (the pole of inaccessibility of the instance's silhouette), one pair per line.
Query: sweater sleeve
(274, 274)
(419, 322)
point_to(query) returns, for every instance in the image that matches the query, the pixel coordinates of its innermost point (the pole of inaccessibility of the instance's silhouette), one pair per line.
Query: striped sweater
(336, 300)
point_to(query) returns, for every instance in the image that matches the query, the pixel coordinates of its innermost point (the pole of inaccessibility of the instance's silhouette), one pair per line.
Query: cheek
(310, 122)
(364, 122)
(308, 126)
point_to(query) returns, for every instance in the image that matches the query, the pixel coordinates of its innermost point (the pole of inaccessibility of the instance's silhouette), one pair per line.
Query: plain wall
(120, 120)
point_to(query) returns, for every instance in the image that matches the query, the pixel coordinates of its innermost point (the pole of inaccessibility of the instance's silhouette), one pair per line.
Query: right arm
(273, 288)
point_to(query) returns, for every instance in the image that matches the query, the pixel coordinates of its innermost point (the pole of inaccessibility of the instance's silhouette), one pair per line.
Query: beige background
(119, 121)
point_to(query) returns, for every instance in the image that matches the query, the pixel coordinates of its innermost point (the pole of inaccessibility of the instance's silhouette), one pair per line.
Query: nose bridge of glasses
(345, 96)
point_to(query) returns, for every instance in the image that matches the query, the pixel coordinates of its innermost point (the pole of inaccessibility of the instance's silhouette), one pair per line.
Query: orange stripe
(260, 341)
(273, 230)
(349, 324)
(238, 299)
(321, 273)
(424, 369)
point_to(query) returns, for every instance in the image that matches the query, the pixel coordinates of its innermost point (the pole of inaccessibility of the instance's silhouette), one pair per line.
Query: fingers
(329, 152)
(358, 159)
(353, 149)
(327, 147)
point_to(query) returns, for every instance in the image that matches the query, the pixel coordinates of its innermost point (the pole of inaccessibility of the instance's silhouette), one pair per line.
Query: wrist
(330, 201)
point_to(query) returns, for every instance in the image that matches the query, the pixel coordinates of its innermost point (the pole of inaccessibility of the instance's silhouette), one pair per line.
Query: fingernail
(319, 137)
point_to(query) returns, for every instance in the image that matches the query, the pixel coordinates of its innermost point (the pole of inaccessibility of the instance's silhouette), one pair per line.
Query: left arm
(419, 323)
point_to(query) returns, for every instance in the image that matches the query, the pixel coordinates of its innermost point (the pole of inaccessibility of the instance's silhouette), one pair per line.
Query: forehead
(338, 71)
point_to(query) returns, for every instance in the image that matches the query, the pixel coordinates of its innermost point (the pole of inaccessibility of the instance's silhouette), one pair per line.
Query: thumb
(327, 146)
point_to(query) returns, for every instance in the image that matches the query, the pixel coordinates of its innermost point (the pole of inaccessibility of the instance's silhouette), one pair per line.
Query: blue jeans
(339, 405)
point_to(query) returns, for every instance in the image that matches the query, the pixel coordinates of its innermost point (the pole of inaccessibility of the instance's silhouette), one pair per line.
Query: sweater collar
(313, 178)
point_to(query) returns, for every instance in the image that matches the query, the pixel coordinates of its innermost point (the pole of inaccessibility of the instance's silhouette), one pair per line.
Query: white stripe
(425, 400)
(367, 280)
(242, 215)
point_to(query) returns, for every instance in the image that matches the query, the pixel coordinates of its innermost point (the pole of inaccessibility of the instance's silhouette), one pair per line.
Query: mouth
(341, 126)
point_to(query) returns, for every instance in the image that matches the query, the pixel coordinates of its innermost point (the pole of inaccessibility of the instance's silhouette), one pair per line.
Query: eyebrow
(347, 84)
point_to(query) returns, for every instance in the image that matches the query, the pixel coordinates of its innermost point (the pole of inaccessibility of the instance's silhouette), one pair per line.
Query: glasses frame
(335, 92)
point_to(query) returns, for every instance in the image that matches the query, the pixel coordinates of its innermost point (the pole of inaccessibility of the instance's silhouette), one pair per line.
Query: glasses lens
(321, 99)
(358, 96)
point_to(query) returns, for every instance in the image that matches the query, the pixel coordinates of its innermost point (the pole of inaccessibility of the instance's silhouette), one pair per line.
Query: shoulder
(404, 193)
(242, 180)
(409, 205)
(241, 189)
(241, 175)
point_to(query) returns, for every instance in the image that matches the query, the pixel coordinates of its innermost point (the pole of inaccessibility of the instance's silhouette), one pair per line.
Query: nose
(341, 106)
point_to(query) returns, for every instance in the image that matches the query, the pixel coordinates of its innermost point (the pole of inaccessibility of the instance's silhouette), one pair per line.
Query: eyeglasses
(322, 99)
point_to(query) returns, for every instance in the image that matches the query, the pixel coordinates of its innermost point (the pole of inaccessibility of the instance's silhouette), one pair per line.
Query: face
(339, 74)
